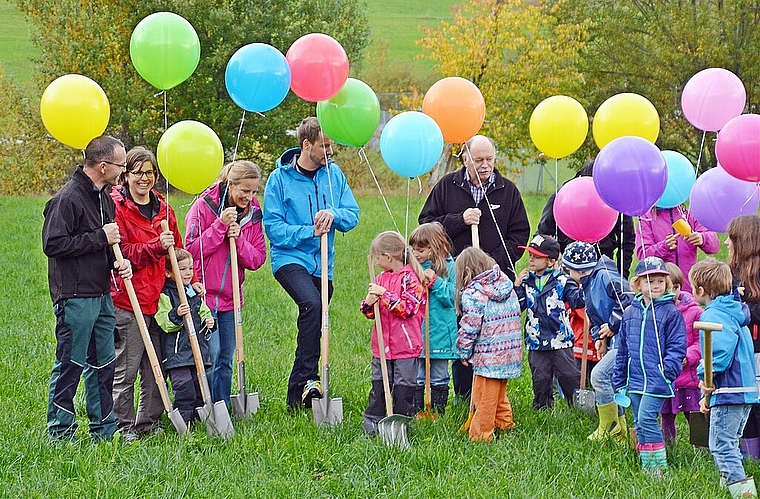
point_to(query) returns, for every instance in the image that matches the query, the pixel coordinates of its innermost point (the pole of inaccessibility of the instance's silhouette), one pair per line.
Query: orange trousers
(492, 408)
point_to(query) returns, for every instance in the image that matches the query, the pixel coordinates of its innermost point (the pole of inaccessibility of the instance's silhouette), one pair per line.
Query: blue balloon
(257, 77)
(681, 177)
(411, 143)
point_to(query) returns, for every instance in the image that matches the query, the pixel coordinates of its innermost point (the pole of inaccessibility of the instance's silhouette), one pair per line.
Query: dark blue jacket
(650, 359)
(607, 296)
(175, 342)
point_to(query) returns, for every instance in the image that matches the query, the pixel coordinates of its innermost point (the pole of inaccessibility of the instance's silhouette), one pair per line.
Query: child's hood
(494, 284)
(686, 301)
(727, 305)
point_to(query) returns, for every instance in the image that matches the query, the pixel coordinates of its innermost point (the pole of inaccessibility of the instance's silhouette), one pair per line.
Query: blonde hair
(470, 263)
(744, 259)
(676, 276)
(635, 282)
(392, 243)
(182, 255)
(432, 236)
(237, 171)
(712, 276)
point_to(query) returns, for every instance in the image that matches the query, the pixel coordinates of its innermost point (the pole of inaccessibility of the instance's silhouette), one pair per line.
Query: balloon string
(237, 140)
(364, 158)
(701, 146)
(406, 215)
(609, 276)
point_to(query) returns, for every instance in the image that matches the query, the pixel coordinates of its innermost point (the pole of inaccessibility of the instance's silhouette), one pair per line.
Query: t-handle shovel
(471, 413)
(699, 423)
(428, 413)
(243, 404)
(326, 410)
(174, 416)
(707, 353)
(214, 415)
(392, 427)
(584, 399)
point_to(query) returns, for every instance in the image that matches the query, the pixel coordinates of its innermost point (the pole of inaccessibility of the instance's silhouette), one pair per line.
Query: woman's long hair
(744, 259)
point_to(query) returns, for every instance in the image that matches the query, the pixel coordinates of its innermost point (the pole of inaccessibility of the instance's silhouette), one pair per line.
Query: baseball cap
(579, 256)
(543, 246)
(651, 265)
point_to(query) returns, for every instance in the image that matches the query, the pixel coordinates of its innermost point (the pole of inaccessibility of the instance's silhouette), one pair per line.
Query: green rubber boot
(608, 422)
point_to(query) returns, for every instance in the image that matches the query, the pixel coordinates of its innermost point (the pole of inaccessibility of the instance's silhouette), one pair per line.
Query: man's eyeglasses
(123, 167)
(146, 173)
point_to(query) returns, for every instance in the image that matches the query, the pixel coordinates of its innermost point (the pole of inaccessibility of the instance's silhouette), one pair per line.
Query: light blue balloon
(681, 178)
(257, 77)
(411, 143)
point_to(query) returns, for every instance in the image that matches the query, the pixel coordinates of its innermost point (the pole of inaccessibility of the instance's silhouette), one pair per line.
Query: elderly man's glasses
(146, 173)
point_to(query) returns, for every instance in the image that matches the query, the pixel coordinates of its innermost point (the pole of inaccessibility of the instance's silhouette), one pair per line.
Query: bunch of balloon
(190, 156)
(738, 147)
(681, 177)
(558, 126)
(712, 97)
(630, 175)
(257, 77)
(457, 106)
(581, 213)
(351, 116)
(717, 198)
(318, 65)
(623, 115)
(165, 49)
(74, 110)
(411, 143)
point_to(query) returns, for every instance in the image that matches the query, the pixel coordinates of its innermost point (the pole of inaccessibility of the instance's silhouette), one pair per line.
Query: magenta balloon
(318, 66)
(580, 212)
(712, 97)
(630, 175)
(738, 147)
(717, 198)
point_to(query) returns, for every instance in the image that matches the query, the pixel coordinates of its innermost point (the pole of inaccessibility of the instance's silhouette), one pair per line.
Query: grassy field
(16, 49)
(276, 454)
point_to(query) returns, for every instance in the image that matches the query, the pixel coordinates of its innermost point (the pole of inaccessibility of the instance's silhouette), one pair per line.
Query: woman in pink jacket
(655, 236)
(227, 209)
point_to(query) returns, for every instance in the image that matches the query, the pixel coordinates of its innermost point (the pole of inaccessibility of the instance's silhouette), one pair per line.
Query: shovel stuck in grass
(428, 412)
(243, 404)
(174, 416)
(392, 427)
(326, 410)
(584, 399)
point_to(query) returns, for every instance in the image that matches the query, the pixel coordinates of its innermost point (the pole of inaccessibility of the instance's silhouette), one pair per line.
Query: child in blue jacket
(733, 390)
(543, 291)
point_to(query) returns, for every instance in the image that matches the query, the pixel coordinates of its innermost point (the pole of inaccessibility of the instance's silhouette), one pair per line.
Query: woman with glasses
(140, 209)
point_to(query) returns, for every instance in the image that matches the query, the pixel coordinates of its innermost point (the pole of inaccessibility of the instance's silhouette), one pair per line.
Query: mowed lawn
(275, 453)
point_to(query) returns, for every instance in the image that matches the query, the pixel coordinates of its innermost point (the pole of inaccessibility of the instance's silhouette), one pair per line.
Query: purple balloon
(630, 175)
(717, 198)
(712, 97)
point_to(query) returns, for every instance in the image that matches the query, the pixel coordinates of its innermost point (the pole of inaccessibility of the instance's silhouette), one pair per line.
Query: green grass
(276, 454)
(16, 49)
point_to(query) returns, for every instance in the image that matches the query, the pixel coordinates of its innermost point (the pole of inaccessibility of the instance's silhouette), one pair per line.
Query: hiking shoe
(313, 389)
(130, 437)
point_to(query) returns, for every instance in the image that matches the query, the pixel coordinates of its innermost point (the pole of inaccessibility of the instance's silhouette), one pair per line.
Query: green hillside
(16, 49)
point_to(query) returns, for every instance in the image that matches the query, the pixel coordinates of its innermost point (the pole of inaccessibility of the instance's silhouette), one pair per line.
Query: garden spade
(428, 413)
(584, 399)
(700, 423)
(392, 427)
(474, 228)
(326, 410)
(214, 415)
(174, 416)
(243, 404)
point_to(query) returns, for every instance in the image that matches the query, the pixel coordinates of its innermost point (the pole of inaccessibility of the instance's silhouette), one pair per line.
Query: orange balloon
(457, 106)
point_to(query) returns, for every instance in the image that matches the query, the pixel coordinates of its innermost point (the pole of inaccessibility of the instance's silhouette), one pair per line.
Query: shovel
(214, 415)
(471, 413)
(392, 427)
(428, 414)
(243, 404)
(326, 411)
(583, 399)
(174, 416)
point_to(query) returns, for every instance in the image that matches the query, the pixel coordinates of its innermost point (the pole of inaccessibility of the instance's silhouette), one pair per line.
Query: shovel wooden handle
(143, 327)
(324, 285)
(236, 301)
(381, 346)
(584, 358)
(428, 394)
(475, 230)
(708, 328)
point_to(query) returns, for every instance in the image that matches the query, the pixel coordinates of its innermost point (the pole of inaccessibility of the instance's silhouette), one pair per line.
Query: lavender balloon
(717, 198)
(630, 175)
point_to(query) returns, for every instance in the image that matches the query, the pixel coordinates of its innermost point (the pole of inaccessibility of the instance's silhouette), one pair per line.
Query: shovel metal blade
(585, 400)
(327, 411)
(392, 430)
(245, 404)
(179, 424)
(217, 419)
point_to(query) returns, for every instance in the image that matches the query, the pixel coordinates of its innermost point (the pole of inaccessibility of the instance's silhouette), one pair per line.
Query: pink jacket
(402, 310)
(206, 233)
(651, 233)
(691, 311)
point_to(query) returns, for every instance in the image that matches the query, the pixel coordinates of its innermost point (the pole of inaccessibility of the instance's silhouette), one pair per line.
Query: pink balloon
(717, 198)
(580, 212)
(712, 97)
(318, 67)
(738, 147)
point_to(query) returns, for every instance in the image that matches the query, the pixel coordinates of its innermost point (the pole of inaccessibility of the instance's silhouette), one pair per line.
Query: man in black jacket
(77, 235)
(477, 194)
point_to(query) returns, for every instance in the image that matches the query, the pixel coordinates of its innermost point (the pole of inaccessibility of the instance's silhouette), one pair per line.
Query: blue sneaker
(313, 389)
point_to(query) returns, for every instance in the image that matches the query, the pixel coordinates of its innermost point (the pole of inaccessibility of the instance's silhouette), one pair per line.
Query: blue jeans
(645, 409)
(221, 346)
(601, 378)
(726, 426)
(439, 372)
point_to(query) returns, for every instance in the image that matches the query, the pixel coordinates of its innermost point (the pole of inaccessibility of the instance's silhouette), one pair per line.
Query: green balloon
(165, 49)
(351, 116)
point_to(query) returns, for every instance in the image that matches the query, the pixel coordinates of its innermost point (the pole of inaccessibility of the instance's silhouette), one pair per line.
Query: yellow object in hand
(682, 227)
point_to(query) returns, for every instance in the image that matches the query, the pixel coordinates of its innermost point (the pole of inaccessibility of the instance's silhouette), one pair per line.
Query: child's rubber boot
(750, 447)
(608, 422)
(645, 456)
(440, 397)
(743, 489)
(623, 435)
(659, 459)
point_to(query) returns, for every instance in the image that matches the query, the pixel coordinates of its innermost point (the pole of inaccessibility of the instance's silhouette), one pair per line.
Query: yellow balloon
(558, 126)
(190, 156)
(625, 114)
(75, 110)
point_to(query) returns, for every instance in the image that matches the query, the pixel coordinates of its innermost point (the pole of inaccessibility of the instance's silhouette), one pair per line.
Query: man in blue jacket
(306, 196)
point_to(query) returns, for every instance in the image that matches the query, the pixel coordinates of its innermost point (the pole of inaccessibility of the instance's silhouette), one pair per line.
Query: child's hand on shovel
(183, 310)
(704, 406)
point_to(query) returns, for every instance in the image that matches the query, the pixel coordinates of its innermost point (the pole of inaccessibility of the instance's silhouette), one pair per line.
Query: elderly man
(478, 194)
